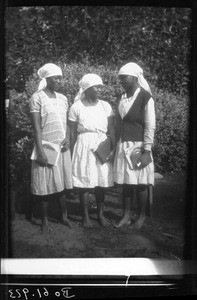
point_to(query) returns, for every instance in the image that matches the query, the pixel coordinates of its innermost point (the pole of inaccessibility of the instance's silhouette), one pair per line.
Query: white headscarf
(45, 71)
(87, 81)
(135, 70)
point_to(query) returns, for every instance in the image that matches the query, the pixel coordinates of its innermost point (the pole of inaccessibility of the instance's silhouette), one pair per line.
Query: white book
(51, 150)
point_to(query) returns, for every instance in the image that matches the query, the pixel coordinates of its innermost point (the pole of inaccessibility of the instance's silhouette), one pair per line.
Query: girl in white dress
(48, 111)
(91, 120)
(135, 126)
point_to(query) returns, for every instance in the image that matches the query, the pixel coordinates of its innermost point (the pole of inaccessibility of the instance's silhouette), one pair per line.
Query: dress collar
(133, 96)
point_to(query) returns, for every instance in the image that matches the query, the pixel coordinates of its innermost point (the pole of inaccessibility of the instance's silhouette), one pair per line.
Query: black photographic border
(183, 281)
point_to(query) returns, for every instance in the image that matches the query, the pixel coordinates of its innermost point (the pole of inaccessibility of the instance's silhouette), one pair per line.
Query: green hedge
(172, 131)
(171, 137)
(20, 140)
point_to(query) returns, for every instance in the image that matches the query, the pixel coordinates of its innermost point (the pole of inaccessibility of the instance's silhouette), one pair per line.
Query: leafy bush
(20, 140)
(159, 36)
(172, 130)
(171, 137)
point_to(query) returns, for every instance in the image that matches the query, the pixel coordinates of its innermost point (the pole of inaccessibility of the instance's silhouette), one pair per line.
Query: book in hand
(51, 151)
(133, 156)
(103, 151)
(51, 154)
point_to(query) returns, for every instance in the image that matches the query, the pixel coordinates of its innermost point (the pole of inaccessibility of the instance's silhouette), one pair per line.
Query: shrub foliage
(172, 111)
(158, 36)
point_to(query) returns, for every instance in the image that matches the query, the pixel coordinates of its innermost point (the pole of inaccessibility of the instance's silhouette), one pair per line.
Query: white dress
(92, 121)
(124, 173)
(53, 112)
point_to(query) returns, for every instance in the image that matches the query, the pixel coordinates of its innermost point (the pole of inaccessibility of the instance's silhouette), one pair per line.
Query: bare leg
(84, 200)
(127, 196)
(45, 223)
(30, 209)
(142, 197)
(100, 197)
(63, 211)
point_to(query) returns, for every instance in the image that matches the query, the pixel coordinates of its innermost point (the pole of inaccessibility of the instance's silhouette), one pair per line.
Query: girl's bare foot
(32, 219)
(124, 221)
(66, 222)
(45, 227)
(87, 223)
(138, 223)
(103, 221)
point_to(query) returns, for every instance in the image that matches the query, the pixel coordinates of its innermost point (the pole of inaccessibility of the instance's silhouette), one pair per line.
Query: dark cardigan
(131, 127)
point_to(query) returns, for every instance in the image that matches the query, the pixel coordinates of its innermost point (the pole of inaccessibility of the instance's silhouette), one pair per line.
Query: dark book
(134, 159)
(135, 156)
(103, 151)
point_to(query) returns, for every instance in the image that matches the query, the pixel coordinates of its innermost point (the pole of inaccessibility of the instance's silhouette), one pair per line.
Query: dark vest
(131, 127)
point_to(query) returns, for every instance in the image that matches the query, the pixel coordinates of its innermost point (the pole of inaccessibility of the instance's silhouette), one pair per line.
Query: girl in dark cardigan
(135, 127)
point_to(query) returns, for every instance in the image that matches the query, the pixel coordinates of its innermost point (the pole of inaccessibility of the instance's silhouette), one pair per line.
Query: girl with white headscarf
(91, 120)
(135, 126)
(51, 172)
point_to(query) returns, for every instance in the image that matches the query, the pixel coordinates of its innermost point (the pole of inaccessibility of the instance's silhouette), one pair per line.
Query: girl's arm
(36, 123)
(73, 134)
(118, 126)
(149, 129)
(149, 125)
(66, 142)
(111, 130)
(111, 133)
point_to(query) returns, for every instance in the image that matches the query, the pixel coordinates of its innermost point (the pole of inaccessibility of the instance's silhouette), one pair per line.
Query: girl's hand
(144, 159)
(65, 145)
(42, 160)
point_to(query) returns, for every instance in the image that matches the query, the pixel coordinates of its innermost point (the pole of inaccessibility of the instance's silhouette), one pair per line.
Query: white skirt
(124, 173)
(51, 180)
(87, 170)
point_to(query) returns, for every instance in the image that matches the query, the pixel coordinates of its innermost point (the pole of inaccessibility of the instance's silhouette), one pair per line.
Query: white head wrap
(45, 71)
(87, 81)
(134, 70)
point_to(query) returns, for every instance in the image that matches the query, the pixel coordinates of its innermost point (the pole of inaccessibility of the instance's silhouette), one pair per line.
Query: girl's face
(53, 82)
(127, 81)
(92, 92)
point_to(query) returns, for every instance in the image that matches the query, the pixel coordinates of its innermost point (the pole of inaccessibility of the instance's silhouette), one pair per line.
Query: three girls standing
(91, 120)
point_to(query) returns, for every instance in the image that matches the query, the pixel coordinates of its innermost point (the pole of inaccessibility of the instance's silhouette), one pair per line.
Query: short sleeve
(108, 108)
(34, 103)
(73, 113)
